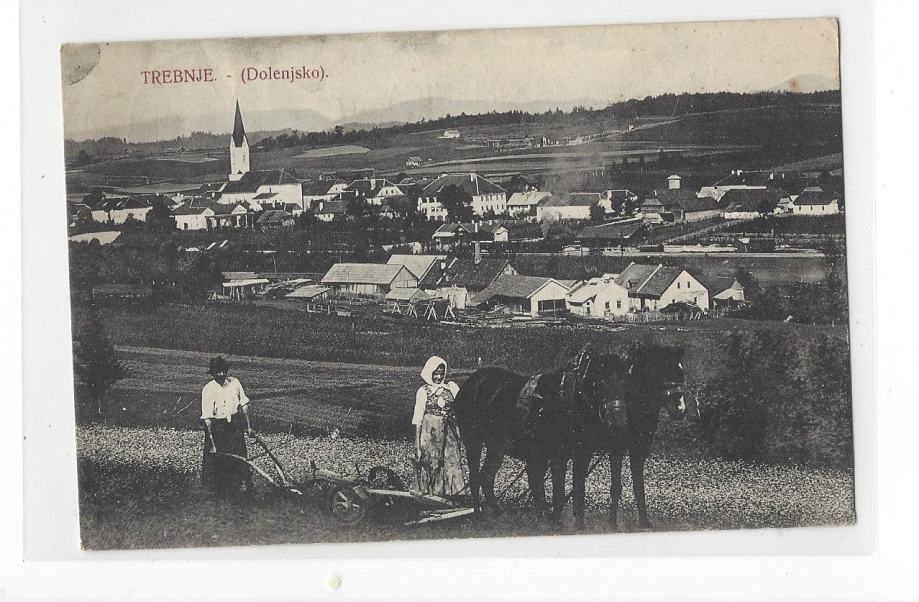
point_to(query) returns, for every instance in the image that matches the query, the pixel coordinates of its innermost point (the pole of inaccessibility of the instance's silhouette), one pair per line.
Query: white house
(575, 205)
(524, 203)
(193, 214)
(118, 210)
(419, 265)
(486, 195)
(450, 134)
(749, 203)
(598, 297)
(654, 287)
(373, 190)
(533, 295)
(814, 201)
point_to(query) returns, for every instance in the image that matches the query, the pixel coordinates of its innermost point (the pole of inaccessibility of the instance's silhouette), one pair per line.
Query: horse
(606, 403)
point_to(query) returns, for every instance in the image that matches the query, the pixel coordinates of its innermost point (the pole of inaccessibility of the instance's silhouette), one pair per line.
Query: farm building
(323, 190)
(370, 279)
(119, 209)
(450, 134)
(239, 290)
(419, 265)
(274, 219)
(533, 295)
(449, 235)
(749, 203)
(309, 292)
(598, 297)
(813, 200)
(575, 205)
(486, 195)
(676, 204)
(373, 190)
(726, 291)
(193, 214)
(283, 187)
(235, 215)
(327, 211)
(458, 279)
(653, 287)
(523, 204)
(694, 209)
(623, 233)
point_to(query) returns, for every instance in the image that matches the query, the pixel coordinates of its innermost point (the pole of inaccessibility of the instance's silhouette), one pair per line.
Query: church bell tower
(239, 148)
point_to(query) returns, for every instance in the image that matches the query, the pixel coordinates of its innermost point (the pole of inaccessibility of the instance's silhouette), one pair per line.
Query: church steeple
(239, 148)
(239, 132)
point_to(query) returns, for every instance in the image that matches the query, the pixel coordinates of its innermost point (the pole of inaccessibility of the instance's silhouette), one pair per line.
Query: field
(139, 488)
(332, 151)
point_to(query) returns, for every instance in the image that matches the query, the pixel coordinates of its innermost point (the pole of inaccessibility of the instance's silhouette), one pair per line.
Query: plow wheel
(347, 506)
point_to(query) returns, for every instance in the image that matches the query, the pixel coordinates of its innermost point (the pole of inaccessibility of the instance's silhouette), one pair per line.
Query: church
(259, 188)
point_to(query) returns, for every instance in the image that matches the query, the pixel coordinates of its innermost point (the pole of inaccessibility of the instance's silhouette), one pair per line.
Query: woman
(225, 412)
(437, 442)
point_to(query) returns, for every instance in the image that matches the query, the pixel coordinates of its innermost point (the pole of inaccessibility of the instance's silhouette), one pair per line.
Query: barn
(653, 287)
(533, 295)
(598, 297)
(368, 279)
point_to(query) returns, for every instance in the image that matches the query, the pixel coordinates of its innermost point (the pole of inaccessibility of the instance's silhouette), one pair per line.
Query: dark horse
(601, 403)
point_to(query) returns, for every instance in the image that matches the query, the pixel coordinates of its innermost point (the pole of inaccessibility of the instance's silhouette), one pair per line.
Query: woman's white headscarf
(433, 363)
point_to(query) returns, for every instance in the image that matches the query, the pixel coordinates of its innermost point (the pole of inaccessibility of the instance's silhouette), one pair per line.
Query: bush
(95, 364)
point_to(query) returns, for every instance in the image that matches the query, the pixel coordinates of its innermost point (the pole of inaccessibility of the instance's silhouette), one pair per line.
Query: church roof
(252, 180)
(239, 132)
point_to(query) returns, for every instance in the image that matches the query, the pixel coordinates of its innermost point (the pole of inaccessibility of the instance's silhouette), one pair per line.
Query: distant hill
(810, 82)
(436, 107)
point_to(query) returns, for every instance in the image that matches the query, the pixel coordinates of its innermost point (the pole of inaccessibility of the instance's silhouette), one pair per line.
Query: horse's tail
(469, 409)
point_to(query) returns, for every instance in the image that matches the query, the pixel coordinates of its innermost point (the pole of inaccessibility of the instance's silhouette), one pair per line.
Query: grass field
(140, 488)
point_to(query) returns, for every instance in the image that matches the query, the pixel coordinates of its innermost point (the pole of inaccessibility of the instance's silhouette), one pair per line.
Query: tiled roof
(239, 132)
(643, 280)
(473, 184)
(416, 264)
(574, 199)
(814, 195)
(696, 203)
(273, 216)
(317, 188)
(252, 180)
(670, 196)
(362, 273)
(466, 273)
(750, 199)
(527, 199)
(514, 287)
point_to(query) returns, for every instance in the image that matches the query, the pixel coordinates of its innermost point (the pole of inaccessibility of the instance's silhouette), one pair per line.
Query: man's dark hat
(218, 364)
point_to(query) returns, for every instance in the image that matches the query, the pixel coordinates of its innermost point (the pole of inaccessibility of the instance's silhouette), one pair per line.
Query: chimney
(472, 177)
(478, 252)
(673, 182)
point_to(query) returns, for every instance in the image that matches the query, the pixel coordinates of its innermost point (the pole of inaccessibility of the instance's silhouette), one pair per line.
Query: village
(466, 271)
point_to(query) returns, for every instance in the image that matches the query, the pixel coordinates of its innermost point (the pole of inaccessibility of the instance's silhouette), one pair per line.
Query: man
(225, 412)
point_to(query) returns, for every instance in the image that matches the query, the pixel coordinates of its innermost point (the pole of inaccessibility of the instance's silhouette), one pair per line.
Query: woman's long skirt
(223, 475)
(441, 459)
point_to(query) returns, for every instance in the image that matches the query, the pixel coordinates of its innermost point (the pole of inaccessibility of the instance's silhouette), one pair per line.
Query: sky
(104, 92)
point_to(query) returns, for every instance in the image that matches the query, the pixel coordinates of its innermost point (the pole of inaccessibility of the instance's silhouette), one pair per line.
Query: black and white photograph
(459, 284)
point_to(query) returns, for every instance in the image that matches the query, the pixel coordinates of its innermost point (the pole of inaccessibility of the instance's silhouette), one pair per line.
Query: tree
(160, 220)
(95, 363)
(750, 286)
(457, 202)
(597, 214)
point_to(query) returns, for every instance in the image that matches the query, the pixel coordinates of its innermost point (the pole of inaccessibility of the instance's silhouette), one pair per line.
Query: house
(654, 287)
(653, 211)
(237, 215)
(459, 279)
(624, 233)
(369, 279)
(487, 197)
(120, 209)
(450, 134)
(193, 214)
(419, 265)
(450, 235)
(326, 211)
(740, 179)
(695, 208)
(598, 297)
(413, 162)
(574, 205)
(726, 291)
(293, 208)
(323, 190)
(373, 190)
(523, 204)
(813, 200)
(533, 295)
(671, 204)
(749, 203)
(274, 219)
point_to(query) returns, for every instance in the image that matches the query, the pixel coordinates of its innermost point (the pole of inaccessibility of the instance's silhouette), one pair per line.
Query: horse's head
(657, 374)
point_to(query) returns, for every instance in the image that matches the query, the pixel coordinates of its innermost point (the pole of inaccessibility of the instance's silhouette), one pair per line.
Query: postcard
(459, 284)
